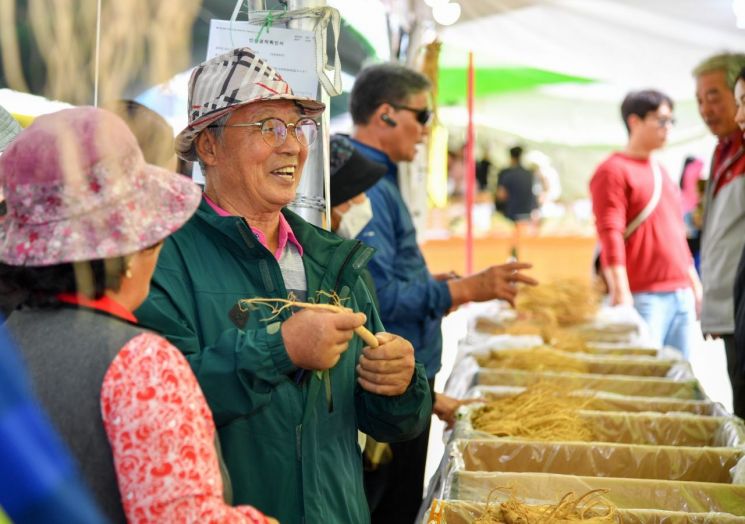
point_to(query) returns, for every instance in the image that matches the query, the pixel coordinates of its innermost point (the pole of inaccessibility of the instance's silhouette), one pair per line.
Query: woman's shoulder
(146, 368)
(149, 358)
(151, 348)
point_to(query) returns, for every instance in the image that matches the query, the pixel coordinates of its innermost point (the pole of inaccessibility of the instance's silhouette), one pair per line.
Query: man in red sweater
(639, 220)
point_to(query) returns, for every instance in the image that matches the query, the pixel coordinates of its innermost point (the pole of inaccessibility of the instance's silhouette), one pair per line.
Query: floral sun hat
(227, 82)
(77, 188)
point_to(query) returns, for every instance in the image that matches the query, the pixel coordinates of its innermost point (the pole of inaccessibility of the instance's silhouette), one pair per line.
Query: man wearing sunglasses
(289, 391)
(390, 110)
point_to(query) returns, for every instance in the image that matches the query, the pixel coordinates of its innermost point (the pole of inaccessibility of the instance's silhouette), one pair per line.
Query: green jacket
(291, 448)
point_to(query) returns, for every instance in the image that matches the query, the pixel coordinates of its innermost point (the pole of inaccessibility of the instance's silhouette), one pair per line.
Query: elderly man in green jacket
(288, 392)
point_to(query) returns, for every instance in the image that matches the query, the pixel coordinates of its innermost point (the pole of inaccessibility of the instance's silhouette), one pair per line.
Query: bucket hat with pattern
(228, 81)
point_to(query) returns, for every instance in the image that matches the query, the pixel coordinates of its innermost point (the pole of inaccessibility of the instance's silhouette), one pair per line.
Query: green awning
(497, 80)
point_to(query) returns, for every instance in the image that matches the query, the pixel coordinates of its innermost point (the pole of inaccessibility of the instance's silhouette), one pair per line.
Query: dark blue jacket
(412, 303)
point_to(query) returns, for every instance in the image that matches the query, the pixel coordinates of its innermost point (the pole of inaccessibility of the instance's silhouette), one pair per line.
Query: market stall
(575, 401)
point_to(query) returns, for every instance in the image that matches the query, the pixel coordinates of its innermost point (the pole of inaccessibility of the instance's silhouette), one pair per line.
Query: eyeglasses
(422, 116)
(664, 121)
(274, 130)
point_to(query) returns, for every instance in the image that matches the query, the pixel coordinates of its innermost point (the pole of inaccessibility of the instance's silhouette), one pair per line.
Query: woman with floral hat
(86, 220)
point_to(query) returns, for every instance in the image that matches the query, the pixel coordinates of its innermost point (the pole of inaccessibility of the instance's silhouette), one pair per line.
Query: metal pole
(470, 169)
(315, 183)
(97, 58)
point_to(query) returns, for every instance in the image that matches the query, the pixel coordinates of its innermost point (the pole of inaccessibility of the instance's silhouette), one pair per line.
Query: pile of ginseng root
(590, 508)
(565, 302)
(551, 311)
(539, 358)
(542, 412)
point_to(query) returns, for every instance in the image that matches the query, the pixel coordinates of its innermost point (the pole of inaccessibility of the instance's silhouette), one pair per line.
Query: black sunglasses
(422, 116)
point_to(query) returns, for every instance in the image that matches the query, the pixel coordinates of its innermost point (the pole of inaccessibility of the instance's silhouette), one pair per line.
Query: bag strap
(651, 205)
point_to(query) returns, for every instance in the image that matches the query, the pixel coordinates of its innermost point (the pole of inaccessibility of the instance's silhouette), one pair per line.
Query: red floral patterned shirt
(162, 437)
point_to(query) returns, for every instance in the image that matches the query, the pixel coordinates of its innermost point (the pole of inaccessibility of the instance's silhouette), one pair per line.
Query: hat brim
(356, 176)
(159, 204)
(185, 139)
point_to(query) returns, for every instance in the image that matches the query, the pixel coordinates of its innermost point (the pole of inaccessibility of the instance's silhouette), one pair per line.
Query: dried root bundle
(278, 305)
(516, 327)
(540, 358)
(563, 302)
(566, 340)
(148, 40)
(541, 412)
(590, 508)
(558, 337)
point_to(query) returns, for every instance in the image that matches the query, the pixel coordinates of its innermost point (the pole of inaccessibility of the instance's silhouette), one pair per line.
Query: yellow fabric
(25, 121)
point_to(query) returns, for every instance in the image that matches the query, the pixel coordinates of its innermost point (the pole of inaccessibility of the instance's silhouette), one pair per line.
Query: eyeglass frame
(662, 121)
(260, 124)
(419, 113)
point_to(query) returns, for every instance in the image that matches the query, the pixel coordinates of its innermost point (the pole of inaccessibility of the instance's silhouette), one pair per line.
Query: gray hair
(217, 132)
(730, 63)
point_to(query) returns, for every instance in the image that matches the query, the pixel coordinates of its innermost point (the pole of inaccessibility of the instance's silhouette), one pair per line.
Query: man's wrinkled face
(716, 103)
(266, 176)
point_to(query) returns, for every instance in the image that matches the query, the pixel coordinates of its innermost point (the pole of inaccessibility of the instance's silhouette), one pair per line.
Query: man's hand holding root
(316, 339)
(387, 369)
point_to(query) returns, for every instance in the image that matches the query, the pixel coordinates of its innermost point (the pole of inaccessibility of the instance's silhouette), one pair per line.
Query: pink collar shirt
(285, 231)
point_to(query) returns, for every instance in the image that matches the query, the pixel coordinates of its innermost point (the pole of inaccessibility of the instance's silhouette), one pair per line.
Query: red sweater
(656, 255)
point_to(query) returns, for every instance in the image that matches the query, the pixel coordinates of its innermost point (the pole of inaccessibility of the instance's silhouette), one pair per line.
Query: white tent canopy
(621, 45)
(625, 43)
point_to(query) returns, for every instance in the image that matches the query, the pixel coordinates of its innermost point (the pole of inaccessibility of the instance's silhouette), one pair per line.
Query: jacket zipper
(250, 240)
(344, 264)
(327, 373)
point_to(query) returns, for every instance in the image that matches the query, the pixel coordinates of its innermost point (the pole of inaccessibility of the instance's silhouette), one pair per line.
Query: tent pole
(470, 169)
(310, 202)
(96, 59)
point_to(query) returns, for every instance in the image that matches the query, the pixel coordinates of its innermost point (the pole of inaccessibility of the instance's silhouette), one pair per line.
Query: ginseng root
(590, 508)
(278, 305)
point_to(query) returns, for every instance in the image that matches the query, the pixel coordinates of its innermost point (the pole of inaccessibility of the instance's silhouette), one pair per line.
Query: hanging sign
(291, 52)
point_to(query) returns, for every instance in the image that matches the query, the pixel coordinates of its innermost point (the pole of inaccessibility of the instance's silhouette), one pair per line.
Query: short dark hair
(641, 103)
(381, 83)
(741, 75)
(516, 152)
(39, 286)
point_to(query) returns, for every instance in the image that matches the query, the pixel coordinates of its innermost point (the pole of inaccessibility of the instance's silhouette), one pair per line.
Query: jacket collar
(342, 258)
(379, 156)
(735, 137)
(285, 231)
(323, 248)
(104, 304)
